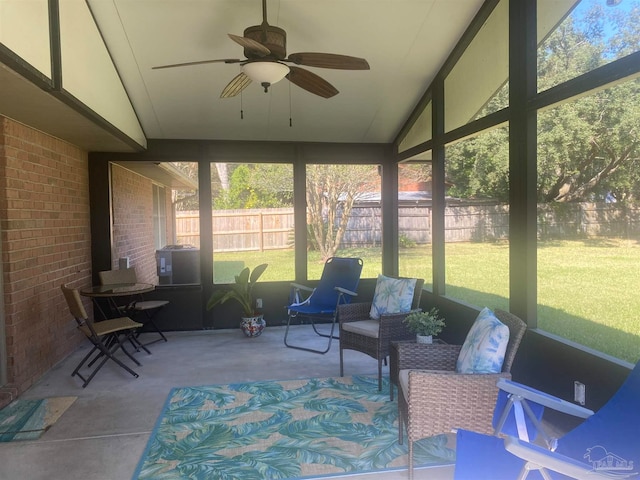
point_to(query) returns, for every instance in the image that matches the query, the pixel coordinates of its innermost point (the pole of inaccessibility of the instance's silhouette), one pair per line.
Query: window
(578, 37)
(142, 227)
(159, 216)
(477, 219)
(414, 220)
(344, 216)
(588, 186)
(178, 263)
(252, 220)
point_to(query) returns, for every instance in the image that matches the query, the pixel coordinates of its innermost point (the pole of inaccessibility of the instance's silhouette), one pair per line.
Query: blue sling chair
(338, 284)
(606, 445)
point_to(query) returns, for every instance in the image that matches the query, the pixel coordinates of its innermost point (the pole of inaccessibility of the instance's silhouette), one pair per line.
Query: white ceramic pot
(424, 338)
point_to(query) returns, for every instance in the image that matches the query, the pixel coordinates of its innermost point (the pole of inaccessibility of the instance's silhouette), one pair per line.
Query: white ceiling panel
(404, 41)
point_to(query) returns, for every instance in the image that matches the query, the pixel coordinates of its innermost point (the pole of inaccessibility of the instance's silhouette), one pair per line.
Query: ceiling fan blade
(328, 60)
(235, 86)
(311, 82)
(201, 62)
(250, 45)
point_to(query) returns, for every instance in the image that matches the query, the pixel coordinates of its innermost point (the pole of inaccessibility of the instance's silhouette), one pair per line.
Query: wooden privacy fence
(240, 230)
(271, 229)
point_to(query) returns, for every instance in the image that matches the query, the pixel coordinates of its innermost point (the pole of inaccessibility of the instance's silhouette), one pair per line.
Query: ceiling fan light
(265, 72)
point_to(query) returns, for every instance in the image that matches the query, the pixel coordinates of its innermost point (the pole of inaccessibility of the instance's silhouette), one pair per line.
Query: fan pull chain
(241, 110)
(290, 120)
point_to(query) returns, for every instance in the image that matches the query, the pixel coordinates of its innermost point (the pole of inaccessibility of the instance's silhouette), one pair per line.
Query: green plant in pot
(425, 324)
(241, 291)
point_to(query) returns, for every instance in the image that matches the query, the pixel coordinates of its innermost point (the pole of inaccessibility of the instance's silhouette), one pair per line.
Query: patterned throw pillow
(392, 295)
(483, 349)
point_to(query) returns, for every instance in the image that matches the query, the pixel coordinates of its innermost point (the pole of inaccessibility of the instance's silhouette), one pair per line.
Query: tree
(478, 167)
(331, 193)
(588, 148)
(414, 172)
(186, 199)
(223, 174)
(256, 186)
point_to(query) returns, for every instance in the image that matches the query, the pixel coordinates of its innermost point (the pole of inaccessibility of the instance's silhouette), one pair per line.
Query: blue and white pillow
(392, 295)
(484, 348)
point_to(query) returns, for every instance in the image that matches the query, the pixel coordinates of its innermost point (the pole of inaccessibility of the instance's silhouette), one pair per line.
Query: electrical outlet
(258, 303)
(579, 392)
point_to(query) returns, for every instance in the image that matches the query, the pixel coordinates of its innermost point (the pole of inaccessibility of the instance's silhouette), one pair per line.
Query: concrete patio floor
(103, 434)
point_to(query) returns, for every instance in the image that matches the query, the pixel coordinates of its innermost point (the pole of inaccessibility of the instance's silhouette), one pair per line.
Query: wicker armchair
(434, 399)
(373, 337)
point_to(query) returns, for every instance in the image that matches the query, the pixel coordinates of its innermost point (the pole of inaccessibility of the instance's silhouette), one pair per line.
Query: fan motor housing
(274, 38)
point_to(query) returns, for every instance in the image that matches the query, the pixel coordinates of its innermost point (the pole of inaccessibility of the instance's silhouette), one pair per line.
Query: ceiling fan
(265, 49)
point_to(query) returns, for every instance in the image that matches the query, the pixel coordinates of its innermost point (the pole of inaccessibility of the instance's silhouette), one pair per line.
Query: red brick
(44, 207)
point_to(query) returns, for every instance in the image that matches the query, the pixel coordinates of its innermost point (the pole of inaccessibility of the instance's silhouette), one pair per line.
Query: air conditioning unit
(178, 265)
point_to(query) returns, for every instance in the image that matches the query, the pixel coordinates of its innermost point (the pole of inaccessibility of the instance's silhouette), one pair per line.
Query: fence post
(261, 232)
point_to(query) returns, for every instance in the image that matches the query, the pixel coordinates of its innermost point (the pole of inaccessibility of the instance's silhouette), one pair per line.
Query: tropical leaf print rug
(28, 419)
(281, 430)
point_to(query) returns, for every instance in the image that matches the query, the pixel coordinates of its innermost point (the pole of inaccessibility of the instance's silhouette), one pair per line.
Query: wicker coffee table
(405, 354)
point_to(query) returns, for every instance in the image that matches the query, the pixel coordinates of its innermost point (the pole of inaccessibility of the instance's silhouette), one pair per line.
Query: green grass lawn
(587, 290)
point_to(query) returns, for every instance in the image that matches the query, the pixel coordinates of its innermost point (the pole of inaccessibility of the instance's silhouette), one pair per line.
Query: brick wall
(45, 241)
(132, 199)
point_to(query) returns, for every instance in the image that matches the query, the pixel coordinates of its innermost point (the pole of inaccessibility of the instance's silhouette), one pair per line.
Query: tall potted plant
(252, 323)
(425, 324)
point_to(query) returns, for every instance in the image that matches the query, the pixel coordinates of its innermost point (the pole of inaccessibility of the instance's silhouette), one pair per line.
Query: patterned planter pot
(424, 339)
(252, 326)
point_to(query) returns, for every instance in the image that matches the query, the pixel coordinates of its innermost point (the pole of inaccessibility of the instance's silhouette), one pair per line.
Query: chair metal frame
(337, 286)
(147, 307)
(602, 446)
(104, 335)
(520, 403)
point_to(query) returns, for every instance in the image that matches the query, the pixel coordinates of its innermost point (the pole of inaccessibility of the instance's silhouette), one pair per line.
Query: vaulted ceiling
(404, 41)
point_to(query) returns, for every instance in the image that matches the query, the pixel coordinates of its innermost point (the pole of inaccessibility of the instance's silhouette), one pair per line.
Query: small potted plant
(425, 324)
(252, 323)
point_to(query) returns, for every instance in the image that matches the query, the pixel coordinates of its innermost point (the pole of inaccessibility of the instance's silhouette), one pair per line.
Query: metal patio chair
(605, 445)
(148, 308)
(104, 335)
(337, 286)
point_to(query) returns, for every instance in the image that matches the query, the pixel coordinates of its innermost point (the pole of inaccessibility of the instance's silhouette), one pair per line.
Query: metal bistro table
(112, 292)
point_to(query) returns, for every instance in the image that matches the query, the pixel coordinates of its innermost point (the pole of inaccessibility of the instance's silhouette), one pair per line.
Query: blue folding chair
(338, 285)
(606, 445)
